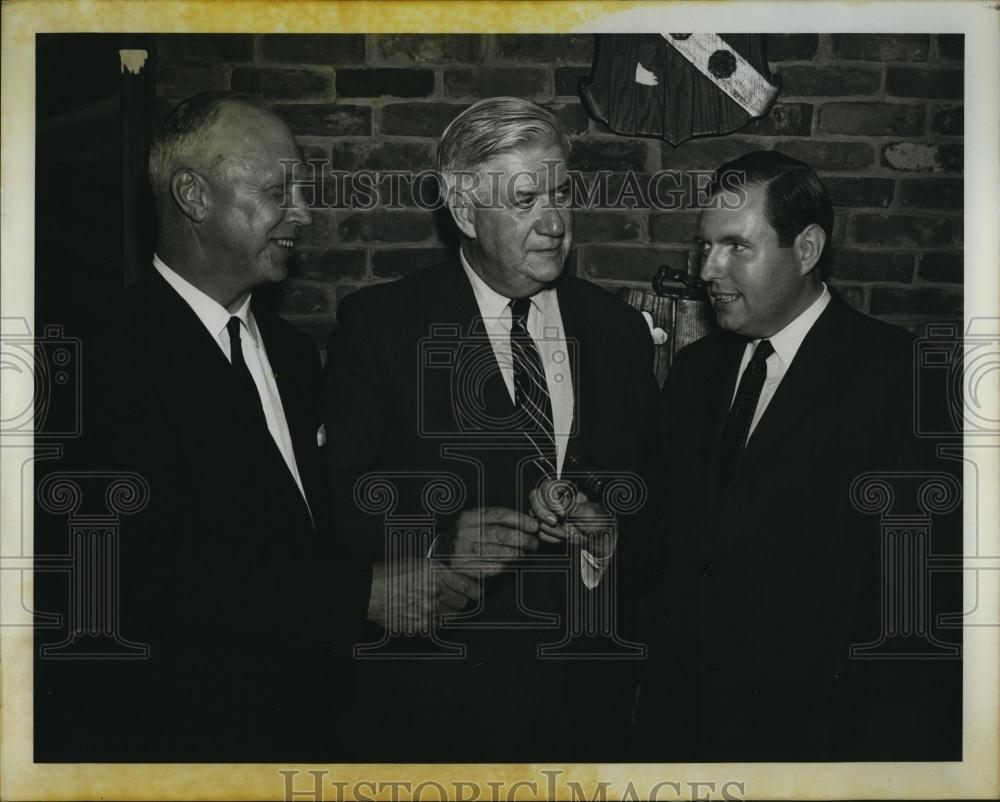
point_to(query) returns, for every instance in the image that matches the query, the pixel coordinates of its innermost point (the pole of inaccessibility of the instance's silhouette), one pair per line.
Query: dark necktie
(734, 436)
(242, 371)
(531, 393)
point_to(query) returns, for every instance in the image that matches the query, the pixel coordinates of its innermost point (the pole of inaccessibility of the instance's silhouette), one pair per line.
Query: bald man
(231, 575)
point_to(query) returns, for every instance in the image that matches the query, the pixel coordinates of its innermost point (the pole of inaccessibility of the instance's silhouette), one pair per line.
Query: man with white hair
(495, 369)
(231, 580)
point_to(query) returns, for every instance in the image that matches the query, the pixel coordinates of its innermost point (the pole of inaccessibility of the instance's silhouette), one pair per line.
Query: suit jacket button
(709, 569)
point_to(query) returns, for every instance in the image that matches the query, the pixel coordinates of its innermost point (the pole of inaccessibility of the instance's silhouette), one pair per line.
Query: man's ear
(809, 246)
(463, 212)
(191, 194)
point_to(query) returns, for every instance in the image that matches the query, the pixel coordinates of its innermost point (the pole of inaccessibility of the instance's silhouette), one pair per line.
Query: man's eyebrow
(727, 239)
(265, 181)
(265, 178)
(535, 191)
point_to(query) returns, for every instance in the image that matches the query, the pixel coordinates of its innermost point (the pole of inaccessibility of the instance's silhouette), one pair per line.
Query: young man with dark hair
(774, 576)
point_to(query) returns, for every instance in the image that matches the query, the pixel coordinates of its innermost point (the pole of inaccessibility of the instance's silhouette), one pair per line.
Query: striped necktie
(531, 393)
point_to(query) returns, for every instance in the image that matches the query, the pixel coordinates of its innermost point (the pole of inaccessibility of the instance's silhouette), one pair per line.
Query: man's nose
(552, 222)
(299, 211)
(712, 267)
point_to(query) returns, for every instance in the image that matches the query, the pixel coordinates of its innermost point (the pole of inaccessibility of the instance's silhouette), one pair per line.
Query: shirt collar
(787, 341)
(492, 305)
(213, 315)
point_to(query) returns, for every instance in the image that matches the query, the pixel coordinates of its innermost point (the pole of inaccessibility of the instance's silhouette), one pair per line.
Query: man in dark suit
(771, 572)
(488, 374)
(230, 577)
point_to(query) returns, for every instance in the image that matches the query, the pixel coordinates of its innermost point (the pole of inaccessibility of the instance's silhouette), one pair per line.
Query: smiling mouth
(724, 298)
(287, 244)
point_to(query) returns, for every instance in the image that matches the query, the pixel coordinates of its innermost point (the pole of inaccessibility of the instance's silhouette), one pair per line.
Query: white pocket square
(321, 435)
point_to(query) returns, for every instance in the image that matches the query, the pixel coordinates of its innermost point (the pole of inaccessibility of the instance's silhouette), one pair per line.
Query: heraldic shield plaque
(676, 86)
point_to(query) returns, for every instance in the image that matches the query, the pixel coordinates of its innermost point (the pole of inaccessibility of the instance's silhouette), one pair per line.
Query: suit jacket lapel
(724, 374)
(815, 366)
(580, 357)
(192, 361)
(454, 304)
(300, 403)
(189, 348)
(296, 401)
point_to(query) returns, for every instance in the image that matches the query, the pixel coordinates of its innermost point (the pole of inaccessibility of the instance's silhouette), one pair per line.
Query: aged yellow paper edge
(976, 776)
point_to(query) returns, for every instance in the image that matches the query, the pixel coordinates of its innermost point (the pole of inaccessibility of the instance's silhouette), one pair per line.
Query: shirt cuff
(592, 568)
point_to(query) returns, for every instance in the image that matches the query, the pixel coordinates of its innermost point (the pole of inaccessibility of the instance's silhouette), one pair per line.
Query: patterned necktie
(531, 393)
(240, 366)
(734, 436)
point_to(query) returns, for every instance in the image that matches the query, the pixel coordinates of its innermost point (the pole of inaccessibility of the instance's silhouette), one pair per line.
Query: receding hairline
(204, 148)
(262, 114)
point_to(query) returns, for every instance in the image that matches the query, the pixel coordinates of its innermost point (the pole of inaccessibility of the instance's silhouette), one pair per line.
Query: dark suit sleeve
(354, 410)
(642, 532)
(341, 582)
(243, 605)
(318, 594)
(907, 708)
(644, 553)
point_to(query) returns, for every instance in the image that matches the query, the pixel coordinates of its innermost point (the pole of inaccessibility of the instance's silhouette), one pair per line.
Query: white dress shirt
(786, 344)
(545, 326)
(214, 318)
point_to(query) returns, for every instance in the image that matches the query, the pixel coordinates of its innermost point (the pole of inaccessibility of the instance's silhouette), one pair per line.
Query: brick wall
(879, 116)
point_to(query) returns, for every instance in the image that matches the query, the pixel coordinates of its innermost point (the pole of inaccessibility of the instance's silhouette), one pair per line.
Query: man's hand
(486, 539)
(415, 593)
(565, 513)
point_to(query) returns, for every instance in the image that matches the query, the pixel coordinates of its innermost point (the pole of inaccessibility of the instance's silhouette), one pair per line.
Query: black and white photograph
(465, 401)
